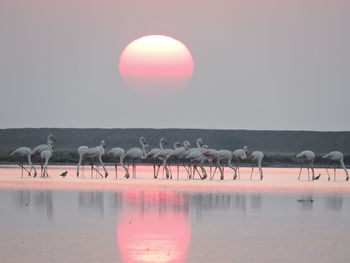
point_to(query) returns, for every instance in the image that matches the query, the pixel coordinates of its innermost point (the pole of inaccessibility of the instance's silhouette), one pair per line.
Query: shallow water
(138, 225)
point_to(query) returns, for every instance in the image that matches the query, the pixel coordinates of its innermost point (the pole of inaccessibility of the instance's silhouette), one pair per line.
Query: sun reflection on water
(153, 227)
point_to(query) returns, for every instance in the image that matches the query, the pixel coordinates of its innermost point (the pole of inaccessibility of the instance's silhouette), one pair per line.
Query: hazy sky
(259, 64)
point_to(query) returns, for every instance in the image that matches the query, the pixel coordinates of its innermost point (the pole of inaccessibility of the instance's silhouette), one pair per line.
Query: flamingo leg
(301, 168)
(251, 174)
(329, 178)
(312, 170)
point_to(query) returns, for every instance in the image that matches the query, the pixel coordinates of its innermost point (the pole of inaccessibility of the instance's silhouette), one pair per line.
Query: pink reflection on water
(153, 227)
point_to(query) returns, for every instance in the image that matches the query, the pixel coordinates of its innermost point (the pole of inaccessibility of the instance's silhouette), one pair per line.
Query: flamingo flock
(194, 160)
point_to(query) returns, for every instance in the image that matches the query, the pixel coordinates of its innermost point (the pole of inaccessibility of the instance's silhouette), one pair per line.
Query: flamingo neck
(161, 145)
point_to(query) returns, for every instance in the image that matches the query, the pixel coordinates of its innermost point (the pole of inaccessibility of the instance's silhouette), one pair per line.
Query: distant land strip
(279, 147)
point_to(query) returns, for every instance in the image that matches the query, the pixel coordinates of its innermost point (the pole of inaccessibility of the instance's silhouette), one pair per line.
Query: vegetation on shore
(280, 147)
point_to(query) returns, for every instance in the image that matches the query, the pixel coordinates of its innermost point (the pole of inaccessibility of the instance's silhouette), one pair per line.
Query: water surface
(137, 225)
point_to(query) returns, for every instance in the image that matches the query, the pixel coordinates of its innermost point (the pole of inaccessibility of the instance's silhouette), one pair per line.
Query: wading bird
(117, 154)
(44, 147)
(308, 157)
(197, 158)
(95, 152)
(45, 156)
(134, 154)
(338, 157)
(154, 154)
(257, 156)
(22, 153)
(240, 154)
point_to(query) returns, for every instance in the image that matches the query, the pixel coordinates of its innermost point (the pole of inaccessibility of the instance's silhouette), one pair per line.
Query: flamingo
(154, 154)
(44, 147)
(221, 155)
(164, 155)
(196, 156)
(116, 153)
(23, 152)
(179, 153)
(45, 155)
(258, 156)
(95, 152)
(240, 154)
(336, 156)
(133, 154)
(308, 157)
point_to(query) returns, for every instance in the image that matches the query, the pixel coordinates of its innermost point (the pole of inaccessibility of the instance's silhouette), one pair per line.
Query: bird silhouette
(317, 177)
(64, 174)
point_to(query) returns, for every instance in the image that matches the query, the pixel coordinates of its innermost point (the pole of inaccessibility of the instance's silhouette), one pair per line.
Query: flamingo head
(187, 144)
(163, 141)
(51, 138)
(205, 147)
(103, 144)
(177, 145)
(245, 148)
(142, 140)
(200, 142)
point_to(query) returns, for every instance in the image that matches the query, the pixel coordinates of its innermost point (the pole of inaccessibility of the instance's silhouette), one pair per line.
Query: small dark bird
(317, 177)
(64, 174)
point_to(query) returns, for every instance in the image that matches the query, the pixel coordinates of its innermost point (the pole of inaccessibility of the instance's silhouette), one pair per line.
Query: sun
(156, 65)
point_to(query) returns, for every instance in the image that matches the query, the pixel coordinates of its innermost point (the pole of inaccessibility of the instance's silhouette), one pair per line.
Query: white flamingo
(45, 155)
(24, 152)
(240, 154)
(257, 156)
(44, 147)
(164, 155)
(134, 154)
(308, 157)
(95, 152)
(219, 156)
(338, 157)
(196, 157)
(180, 152)
(154, 154)
(117, 153)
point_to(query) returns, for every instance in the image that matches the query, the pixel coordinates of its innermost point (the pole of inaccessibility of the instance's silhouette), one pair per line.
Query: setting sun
(156, 64)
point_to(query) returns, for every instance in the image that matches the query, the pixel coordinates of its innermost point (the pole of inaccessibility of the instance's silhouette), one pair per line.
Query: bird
(317, 177)
(257, 156)
(64, 174)
(154, 154)
(178, 153)
(46, 156)
(49, 146)
(220, 156)
(165, 155)
(95, 152)
(308, 157)
(240, 154)
(22, 153)
(196, 158)
(117, 153)
(338, 157)
(134, 154)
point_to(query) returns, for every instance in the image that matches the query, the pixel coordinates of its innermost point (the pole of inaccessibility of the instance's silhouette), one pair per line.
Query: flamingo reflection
(153, 227)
